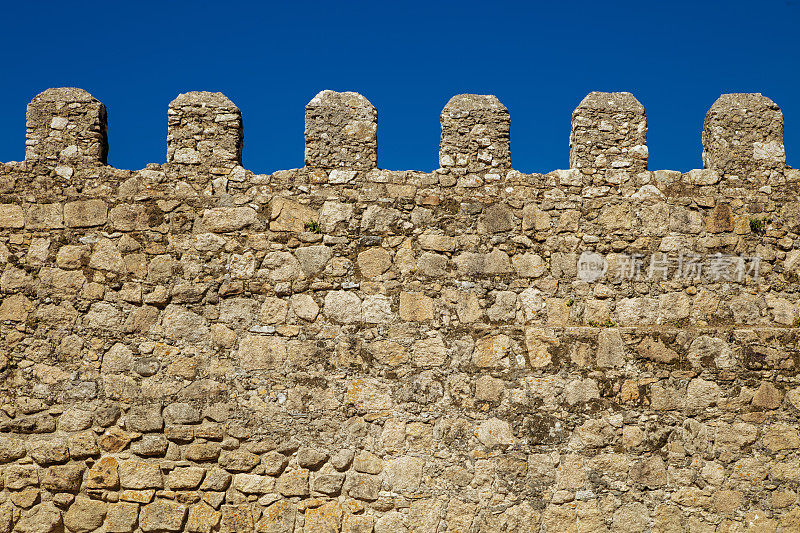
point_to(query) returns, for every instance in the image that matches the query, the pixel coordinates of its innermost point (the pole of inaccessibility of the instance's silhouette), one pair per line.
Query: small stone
(253, 483)
(274, 463)
(293, 483)
(767, 396)
(404, 474)
(415, 307)
(326, 518)
(216, 480)
(330, 484)
(238, 460)
(103, 474)
(342, 459)
(85, 213)
(225, 219)
(43, 518)
(495, 433)
(200, 452)
(181, 413)
(305, 307)
(185, 478)
(364, 487)
(135, 474)
(144, 418)
(374, 262)
(311, 458)
(11, 216)
(63, 478)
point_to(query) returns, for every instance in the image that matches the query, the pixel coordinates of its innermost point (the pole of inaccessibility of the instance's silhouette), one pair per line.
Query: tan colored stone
(415, 307)
(106, 256)
(85, 515)
(225, 219)
(767, 396)
(261, 352)
(11, 216)
(85, 213)
(492, 352)
(494, 433)
(121, 517)
(781, 436)
(374, 262)
(135, 474)
(293, 483)
(15, 308)
(287, 215)
(162, 516)
(326, 518)
(430, 352)
(404, 473)
(202, 519)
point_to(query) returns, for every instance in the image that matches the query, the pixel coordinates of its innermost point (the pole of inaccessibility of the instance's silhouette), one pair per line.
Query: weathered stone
(287, 215)
(313, 258)
(11, 216)
(326, 518)
(85, 213)
(374, 262)
(362, 486)
(391, 522)
(238, 460)
(135, 474)
(404, 474)
(63, 478)
(103, 474)
(44, 518)
(121, 517)
(767, 396)
(225, 219)
(293, 483)
(492, 352)
(202, 519)
(343, 307)
(185, 478)
(278, 518)
(494, 433)
(49, 451)
(162, 515)
(144, 418)
(180, 323)
(415, 307)
(85, 515)
(311, 458)
(261, 352)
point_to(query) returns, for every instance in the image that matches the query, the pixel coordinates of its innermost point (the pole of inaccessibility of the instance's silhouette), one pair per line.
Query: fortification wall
(194, 347)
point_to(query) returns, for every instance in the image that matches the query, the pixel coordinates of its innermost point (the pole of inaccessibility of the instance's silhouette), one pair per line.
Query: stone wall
(195, 347)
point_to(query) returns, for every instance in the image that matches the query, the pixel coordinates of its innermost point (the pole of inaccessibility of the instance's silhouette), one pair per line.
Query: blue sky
(408, 59)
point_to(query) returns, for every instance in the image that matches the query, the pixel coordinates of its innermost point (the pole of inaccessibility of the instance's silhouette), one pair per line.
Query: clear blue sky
(408, 59)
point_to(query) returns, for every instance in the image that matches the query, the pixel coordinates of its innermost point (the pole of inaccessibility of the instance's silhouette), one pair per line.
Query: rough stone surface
(743, 137)
(194, 347)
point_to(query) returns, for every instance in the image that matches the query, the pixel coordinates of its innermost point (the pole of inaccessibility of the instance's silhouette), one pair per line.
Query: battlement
(341, 348)
(742, 137)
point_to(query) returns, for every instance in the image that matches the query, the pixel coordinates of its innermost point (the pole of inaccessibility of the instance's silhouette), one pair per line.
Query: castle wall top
(742, 137)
